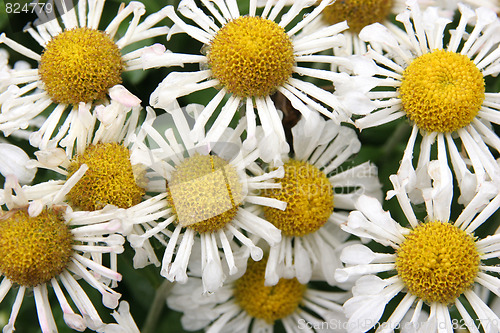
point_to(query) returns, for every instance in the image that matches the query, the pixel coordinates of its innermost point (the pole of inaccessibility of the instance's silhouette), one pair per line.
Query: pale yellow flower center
(309, 197)
(251, 56)
(267, 303)
(205, 193)
(80, 65)
(357, 13)
(33, 250)
(438, 262)
(109, 180)
(442, 91)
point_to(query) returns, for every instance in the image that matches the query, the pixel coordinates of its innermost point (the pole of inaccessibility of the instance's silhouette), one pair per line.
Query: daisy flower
(319, 189)
(31, 261)
(245, 304)
(208, 190)
(248, 57)
(80, 66)
(101, 177)
(436, 262)
(98, 169)
(440, 90)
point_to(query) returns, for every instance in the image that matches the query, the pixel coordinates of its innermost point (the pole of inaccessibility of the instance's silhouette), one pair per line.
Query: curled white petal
(120, 94)
(13, 162)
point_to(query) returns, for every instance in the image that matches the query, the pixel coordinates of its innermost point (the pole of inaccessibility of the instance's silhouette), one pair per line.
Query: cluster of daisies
(255, 205)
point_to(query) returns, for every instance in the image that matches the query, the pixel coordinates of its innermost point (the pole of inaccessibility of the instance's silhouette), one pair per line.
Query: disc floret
(33, 249)
(263, 302)
(80, 65)
(204, 192)
(438, 262)
(357, 13)
(109, 179)
(309, 197)
(442, 91)
(251, 56)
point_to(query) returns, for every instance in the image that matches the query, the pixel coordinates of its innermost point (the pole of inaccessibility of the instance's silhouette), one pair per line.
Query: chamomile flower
(58, 249)
(319, 189)
(80, 66)
(248, 57)
(246, 304)
(207, 192)
(99, 171)
(440, 90)
(436, 261)
(101, 176)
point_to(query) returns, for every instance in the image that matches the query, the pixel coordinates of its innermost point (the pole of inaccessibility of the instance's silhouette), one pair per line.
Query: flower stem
(157, 307)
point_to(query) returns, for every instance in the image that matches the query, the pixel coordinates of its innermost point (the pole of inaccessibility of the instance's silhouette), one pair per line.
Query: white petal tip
(120, 94)
(341, 275)
(75, 322)
(110, 300)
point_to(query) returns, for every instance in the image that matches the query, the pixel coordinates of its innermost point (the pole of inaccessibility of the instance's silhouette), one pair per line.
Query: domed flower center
(357, 13)
(109, 180)
(251, 56)
(80, 65)
(267, 303)
(442, 91)
(309, 197)
(33, 250)
(437, 262)
(205, 192)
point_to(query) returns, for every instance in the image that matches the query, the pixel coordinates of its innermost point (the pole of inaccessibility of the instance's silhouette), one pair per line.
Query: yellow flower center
(251, 56)
(442, 91)
(357, 13)
(309, 197)
(205, 192)
(437, 262)
(80, 65)
(33, 250)
(109, 179)
(267, 303)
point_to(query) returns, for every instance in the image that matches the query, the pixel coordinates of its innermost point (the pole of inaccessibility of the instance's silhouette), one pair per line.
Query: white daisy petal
(23, 103)
(14, 163)
(85, 253)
